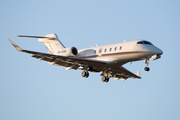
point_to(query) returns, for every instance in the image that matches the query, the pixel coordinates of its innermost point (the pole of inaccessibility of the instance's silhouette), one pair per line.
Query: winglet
(17, 47)
(138, 74)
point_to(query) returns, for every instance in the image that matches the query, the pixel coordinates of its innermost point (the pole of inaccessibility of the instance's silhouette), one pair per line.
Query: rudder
(52, 43)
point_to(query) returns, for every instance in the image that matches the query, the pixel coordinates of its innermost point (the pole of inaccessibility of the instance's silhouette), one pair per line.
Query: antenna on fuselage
(96, 45)
(124, 40)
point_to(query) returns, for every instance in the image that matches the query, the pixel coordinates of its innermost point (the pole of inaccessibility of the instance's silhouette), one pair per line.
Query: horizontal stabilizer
(17, 47)
(50, 38)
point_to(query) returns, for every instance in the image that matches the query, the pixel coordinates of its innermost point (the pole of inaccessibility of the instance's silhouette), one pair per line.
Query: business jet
(107, 59)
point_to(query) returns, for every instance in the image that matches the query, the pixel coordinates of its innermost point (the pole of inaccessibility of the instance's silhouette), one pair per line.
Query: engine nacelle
(70, 51)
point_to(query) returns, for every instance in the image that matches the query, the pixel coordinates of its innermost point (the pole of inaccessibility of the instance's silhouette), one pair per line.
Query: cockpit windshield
(144, 42)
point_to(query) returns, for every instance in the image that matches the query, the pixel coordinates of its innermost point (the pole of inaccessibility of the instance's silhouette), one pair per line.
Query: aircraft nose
(159, 51)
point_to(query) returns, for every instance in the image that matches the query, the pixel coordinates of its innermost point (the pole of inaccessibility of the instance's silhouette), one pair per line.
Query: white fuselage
(121, 52)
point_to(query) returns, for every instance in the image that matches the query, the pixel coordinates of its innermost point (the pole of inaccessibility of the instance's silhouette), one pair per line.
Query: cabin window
(120, 47)
(115, 48)
(95, 52)
(110, 49)
(99, 51)
(105, 50)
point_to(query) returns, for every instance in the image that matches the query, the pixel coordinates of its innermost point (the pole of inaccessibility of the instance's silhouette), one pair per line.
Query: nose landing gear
(146, 68)
(147, 63)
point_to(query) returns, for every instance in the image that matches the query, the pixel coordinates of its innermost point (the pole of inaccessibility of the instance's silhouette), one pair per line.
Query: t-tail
(51, 42)
(54, 46)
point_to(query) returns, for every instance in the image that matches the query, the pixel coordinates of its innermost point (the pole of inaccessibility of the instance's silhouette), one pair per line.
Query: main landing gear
(105, 79)
(85, 74)
(147, 63)
(105, 76)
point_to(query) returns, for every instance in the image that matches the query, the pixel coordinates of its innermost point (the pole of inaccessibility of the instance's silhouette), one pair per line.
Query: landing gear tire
(146, 68)
(85, 74)
(105, 79)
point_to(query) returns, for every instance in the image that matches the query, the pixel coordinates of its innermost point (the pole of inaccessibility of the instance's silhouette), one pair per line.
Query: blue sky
(30, 89)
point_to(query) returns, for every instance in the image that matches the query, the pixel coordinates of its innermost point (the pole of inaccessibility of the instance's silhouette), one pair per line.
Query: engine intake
(74, 51)
(70, 51)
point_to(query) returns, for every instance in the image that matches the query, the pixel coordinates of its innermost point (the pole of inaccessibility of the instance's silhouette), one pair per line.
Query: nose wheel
(146, 68)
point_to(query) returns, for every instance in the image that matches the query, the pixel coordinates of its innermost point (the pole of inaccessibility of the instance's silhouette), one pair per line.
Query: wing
(121, 72)
(65, 61)
(76, 63)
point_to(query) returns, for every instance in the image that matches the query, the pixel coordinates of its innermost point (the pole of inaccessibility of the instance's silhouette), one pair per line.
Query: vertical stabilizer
(52, 43)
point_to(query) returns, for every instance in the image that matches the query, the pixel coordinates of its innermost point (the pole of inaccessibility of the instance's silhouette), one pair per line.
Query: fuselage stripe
(122, 53)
